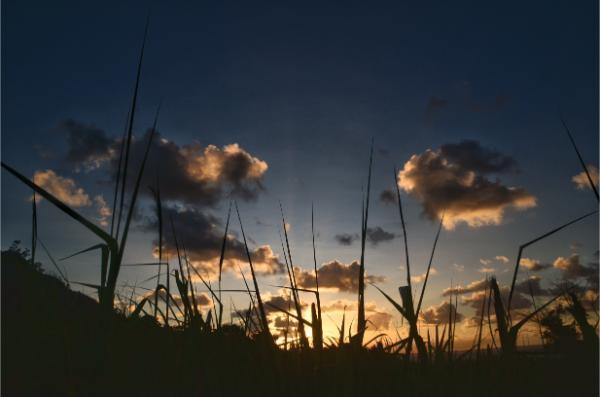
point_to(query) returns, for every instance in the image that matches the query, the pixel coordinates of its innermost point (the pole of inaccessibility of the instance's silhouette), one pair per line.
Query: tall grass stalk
(261, 308)
(583, 165)
(297, 302)
(535, 240)
(362, 322)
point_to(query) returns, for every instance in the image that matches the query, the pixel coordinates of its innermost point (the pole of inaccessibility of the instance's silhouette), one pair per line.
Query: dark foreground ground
(53, 344)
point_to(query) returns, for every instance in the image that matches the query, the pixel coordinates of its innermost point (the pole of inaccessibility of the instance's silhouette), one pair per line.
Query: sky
(465, 99)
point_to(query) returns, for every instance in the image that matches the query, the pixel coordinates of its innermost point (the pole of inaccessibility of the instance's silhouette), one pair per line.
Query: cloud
(65, 189)
(440, 314)
(475, 300)
(104, 212)
(458, 268)
(533, 264)
(572, 269)
(346, 239)
(281, 302)
(485, 261)
(375, 235)
(387, 197)
(421, 277)
(501, 258)
(378, 318)
(199, 176)
(532, 285)
(453, 180)
(581, 180)
(88, 146)
(192, 174)
(334, 275)
(202, 236)
(474, 286)
(485, 269)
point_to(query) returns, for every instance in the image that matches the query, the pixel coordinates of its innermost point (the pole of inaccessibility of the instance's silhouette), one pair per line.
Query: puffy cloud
(440, 314)
(531, 286)
(65, 189)
(533, 264)
(375, 235)
(474, 286)
(103, 210)
(475, 300)
(88, 146)
(486, 262)
(485, 269)
(387, 197)
(346, 239)
(192, 174)
(199, 176)
(202, 236)
(590, 298)
(272, 304)
(459, 268)
(573, 269)
(453, 180)
(581, 180)
(334, 275)
(378, 318)
(421, 277)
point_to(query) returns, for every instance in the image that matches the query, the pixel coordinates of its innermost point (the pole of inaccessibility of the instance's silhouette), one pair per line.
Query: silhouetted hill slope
(54, 344)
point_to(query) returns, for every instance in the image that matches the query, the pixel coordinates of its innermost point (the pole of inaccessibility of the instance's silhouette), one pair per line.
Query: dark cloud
(375, 236)
(281, 302)
(191, 174)
(198, 176)
(475, 300)
(334, 275)
(573, 270)
(202, 236)
(470, 155)
(440, 314)
(531, 286)
(387, 196)
(474, 286)
(88, 145)
(453, 181)
(346, 239)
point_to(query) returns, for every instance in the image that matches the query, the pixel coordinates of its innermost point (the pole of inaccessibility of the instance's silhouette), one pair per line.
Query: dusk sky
(465, 101)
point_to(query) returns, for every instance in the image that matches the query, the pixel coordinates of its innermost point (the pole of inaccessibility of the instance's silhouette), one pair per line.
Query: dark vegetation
(54, 343)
